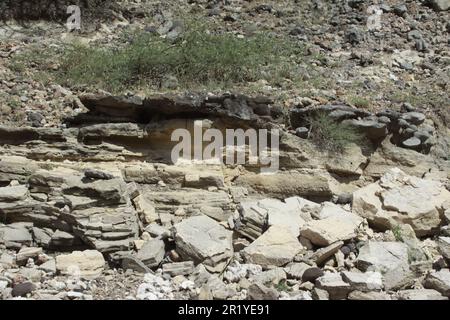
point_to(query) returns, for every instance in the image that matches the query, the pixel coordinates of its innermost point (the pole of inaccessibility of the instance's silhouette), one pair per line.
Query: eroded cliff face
(93, 204)
(105, 182)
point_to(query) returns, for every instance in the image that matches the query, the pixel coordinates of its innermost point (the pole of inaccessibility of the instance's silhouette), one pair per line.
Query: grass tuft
(332, 136)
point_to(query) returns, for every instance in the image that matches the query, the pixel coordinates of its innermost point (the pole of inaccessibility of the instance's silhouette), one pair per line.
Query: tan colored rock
(15, 193)
(203, 240)
(288, 184)
(400, 198)
(330, 230)
(87, 264)
(145, 209)
(276, 247)
(349, 163)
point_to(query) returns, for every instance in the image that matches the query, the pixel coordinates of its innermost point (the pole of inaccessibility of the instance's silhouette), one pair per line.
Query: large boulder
(203, 240)
(276, 247)
(388, 258)
(400, 198)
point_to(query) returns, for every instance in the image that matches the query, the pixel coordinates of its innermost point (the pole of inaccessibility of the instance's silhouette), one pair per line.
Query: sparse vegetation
(198, 58)
(282, 286)
(359, 102)
(397, 230)
(330, 135)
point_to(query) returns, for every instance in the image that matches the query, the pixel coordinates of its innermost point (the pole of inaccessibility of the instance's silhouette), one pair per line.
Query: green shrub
(330, 135)
(198, 58)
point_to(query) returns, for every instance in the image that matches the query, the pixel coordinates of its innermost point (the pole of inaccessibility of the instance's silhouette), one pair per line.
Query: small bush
(330, 135)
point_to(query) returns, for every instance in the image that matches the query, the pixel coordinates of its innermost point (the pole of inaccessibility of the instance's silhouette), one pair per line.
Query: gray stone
(49, 266)
(439, 281)
(312, 274)
(203, 240)
(371, 128)
(130, 262)
(330, 230)
(98, 174)
(415, 118)
(444, 247)
(322, 255)
(302, 132)
(320, 294)
(258, 291)
(369, 296)
(152, 253)
(276, 247)
(401, 198)
(25, 253)
(334, 285)
(412, 143)
(157, 231)
(388, 258)
(15, 233)
(273, 276)
(178, 268)
(15, 193)
(22, 289)
(368, 281)
(420, 294)
(296, 270)
(440, 5)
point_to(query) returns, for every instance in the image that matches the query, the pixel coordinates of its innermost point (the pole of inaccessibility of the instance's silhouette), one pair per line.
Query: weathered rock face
(137, 109)
(388, 258)
(88, 264)
(312, 186)
(276, 247)
(67, 208)
(256, 216)
(203, 240)
(406, 129)
(399, 198)
(215, 204)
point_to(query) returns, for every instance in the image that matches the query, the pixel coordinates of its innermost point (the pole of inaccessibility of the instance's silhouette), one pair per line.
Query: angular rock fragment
(152, 253)
(87, 264)
(203, 240)
(330, 230)
(276, 247)
(368, 281)
(390, 259)
(399, 198)
(439, 281)
(334, 285)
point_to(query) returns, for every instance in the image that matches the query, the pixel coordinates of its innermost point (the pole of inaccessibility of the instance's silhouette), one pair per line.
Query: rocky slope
(92, 207)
